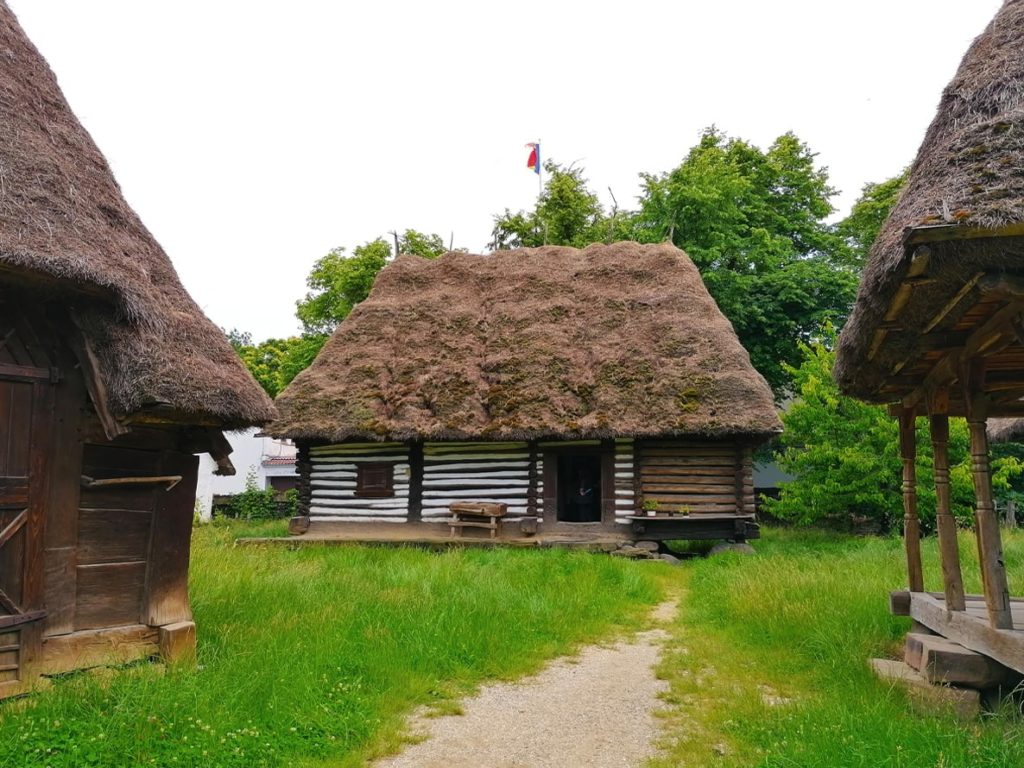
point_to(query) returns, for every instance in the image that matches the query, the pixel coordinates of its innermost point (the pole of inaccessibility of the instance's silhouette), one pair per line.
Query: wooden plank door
(25, 406)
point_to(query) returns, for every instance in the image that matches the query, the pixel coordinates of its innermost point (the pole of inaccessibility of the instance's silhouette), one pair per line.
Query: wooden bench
(474, 514)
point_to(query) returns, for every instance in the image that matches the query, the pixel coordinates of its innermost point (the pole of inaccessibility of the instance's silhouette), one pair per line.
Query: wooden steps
(941, 661)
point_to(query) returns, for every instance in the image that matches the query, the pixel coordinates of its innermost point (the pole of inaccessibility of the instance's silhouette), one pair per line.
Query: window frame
(375, 490)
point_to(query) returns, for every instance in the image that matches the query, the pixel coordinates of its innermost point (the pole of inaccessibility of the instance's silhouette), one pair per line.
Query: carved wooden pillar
(911, 523)
(990, 544)
(949, 549)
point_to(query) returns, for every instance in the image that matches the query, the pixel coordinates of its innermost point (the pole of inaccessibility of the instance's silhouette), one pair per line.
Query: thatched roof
(1006, 430)
(62, 216)
(612, 340)
(968, 175)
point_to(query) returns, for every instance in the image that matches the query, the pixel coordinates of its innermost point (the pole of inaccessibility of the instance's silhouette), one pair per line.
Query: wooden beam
(949, 548)
(94, 383)
(950, 305)
(947, 370)
(915, 271)
(990, 547)
(1005, 646)
(911, 523)
(937, 233)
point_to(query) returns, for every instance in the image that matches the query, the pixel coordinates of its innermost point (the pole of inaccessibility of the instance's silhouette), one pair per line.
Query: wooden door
(25, 406)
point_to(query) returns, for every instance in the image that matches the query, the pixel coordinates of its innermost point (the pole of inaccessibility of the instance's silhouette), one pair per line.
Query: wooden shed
(938, 327)
(111, 379)
(582, 389)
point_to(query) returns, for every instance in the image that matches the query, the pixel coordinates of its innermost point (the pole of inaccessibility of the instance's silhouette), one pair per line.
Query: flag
(533, 161)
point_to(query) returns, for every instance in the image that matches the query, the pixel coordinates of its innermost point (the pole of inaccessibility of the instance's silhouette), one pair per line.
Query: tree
(845, 456)
(275, 362)
(418, 244)
(754, 223)
(566, 213)
(872, 208)
(337, 283)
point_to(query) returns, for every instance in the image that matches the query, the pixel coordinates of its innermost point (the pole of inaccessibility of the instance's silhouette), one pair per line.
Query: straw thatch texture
(62, 215)
(611, 340)
(969, 172)
(1005, 430)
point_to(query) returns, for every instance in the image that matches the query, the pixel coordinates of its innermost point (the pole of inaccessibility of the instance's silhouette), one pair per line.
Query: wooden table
(471, 514)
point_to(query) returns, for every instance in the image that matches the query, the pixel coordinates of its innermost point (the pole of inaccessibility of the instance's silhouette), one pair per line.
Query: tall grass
(769, 663)
(317, 654)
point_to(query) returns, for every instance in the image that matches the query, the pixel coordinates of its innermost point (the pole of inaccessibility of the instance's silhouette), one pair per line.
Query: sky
(254, 136)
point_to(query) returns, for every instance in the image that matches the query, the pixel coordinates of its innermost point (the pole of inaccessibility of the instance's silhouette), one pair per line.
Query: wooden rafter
(946, 371)
(94, 383)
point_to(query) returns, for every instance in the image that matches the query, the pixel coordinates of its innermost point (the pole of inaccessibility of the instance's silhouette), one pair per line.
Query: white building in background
(270, 461)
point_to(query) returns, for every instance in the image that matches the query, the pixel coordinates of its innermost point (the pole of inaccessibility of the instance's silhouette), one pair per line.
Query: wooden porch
(969, 626)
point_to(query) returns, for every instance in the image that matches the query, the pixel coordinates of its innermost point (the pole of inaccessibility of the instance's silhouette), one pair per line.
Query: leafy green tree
(845, 455)
(418, 244)
(566, 213)
(338, 282)
(872, 208)
(754, 223)
(275, 362)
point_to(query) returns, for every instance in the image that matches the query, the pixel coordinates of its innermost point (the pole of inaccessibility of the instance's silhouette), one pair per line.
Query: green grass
(768, 664)
(314, 656)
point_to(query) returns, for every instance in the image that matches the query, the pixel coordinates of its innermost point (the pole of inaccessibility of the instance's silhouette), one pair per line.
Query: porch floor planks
(970, 628)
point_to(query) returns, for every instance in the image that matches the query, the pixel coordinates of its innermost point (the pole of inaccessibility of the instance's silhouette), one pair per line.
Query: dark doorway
(579, 488)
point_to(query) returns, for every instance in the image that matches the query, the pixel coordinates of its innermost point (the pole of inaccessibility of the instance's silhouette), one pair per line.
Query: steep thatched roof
(611, 340)
(968, 175)
(62, 216)
(1006, 430)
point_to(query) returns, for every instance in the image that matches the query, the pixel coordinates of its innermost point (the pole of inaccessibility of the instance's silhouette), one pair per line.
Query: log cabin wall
(626, 502)
(492, 472)
(700, 477)
(334, 473)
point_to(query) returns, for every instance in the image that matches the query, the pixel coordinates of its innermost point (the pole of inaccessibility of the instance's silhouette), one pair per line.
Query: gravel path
(594, 710)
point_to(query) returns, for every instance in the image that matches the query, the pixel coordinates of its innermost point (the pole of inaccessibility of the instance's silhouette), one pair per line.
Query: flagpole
(540, 173)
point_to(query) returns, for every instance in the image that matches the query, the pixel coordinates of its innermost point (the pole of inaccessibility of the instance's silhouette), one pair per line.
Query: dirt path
(594, 710)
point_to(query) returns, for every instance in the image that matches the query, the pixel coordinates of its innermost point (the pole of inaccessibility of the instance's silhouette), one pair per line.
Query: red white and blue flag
(533, 161)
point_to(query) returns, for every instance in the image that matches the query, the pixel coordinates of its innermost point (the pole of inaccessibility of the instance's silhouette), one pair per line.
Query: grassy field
(313, 657)
(768, 661)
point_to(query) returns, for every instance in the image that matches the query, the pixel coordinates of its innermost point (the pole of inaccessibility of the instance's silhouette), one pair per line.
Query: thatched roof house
(966, 184)
(938, 327)
(520, 350)
(616, 340)
(111, 379)
(63, 217)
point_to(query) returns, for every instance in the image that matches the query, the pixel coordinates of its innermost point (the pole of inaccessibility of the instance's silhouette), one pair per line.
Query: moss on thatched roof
(969, 174)
(63, 216)
(612, 340)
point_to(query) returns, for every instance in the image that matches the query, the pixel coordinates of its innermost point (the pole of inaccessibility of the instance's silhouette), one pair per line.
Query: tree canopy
(844, 454)
(754, 223)
(567, 213)
(872, 208)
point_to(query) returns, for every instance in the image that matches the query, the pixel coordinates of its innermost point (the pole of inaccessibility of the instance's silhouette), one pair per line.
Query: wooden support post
(990, 545)
(949, 549)
(911, 523)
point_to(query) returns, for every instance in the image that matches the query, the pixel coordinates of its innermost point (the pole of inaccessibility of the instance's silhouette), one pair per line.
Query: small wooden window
(375, 480)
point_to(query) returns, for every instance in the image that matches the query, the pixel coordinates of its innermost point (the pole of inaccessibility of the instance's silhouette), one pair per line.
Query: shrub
(253, 503)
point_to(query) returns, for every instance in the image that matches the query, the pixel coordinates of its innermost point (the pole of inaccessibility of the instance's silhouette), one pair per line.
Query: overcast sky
(252, 137)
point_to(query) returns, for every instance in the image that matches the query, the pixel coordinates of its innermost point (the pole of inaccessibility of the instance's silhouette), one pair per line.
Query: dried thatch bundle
(62, 217)
(611, 340)
(969, 175)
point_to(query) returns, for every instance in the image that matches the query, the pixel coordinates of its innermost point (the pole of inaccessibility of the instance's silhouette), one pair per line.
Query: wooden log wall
(333, 483)
(494, 472)
(696, 476)
(626, 502)
(115, 526)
